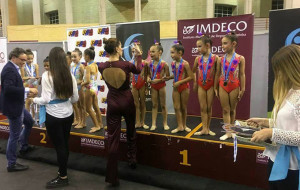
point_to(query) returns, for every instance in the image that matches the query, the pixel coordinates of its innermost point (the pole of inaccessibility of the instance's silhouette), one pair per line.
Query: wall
(52, 5)
(265, 7)
(85, 12)
(25, 16)
(156, 10)
(260, 69)
(168, 29)
(119, 12)
(227, 2)
(256, 8)
(41, 33)
(189, 9)
(240, 7)
(12, 11)
(46, 33)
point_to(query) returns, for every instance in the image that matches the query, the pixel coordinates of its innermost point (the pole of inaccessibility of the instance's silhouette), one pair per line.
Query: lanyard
(156, 69)
(177, 73)
(74, 73)
(206, 69)
(30, 70)
(136, 76)
(228, 69)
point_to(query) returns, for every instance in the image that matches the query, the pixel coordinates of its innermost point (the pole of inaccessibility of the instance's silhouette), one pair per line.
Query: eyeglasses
(24, 60)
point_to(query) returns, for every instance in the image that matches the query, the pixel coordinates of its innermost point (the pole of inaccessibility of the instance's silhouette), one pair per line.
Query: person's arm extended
(46, 91)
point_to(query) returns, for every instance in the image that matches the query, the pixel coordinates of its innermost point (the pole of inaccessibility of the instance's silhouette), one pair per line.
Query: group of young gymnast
(223, 77)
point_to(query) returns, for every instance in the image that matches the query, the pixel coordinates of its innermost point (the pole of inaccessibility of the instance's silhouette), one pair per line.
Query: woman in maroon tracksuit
(120, 103)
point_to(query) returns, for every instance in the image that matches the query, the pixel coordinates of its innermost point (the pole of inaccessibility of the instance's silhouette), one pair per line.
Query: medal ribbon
(206, 69)
(136, 76)
(156, 69)
(228, 69)
(177, 73)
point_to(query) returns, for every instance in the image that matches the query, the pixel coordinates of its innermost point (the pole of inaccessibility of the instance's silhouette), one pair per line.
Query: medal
(207, 67)
(177, 73)
(226, 73)
(225, 82)
(156, 69)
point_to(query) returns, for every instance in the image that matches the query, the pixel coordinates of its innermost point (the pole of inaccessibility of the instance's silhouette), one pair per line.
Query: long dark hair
(60, 72)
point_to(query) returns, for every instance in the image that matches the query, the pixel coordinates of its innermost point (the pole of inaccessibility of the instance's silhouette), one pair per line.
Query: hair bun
(157, 43)
(232, 32)
(92, 48)
(105, 40)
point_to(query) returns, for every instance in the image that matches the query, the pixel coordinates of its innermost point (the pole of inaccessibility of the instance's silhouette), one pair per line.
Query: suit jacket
(12, 91)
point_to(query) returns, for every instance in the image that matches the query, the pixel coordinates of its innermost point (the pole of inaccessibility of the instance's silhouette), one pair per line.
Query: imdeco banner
(216, 29)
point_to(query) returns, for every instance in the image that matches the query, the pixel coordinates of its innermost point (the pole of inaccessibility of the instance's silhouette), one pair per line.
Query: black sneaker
(16, 168)
(57, 182)
(29, 149)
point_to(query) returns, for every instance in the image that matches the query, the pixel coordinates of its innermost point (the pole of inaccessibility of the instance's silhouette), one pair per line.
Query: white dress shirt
(60, 110)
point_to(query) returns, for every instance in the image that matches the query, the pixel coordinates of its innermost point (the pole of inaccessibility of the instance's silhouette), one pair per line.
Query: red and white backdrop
(84, 38)
(217, 28)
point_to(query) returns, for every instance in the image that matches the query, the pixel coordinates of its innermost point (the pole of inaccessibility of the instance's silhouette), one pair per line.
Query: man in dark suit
(12, 106)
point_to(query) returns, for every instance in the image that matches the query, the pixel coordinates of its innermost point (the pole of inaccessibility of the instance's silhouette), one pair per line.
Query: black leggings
(58, 130)
(290, 183)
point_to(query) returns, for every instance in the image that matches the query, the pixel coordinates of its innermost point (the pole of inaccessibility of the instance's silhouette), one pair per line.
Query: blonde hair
(286, 68)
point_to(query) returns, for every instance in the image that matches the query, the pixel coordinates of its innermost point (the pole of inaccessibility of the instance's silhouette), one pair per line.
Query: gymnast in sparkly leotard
(139, 91)
(158, 70)
(77, 69)
(205, 67)
(90, 89)
(120, 103)
(231, 75)
(182, 74)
